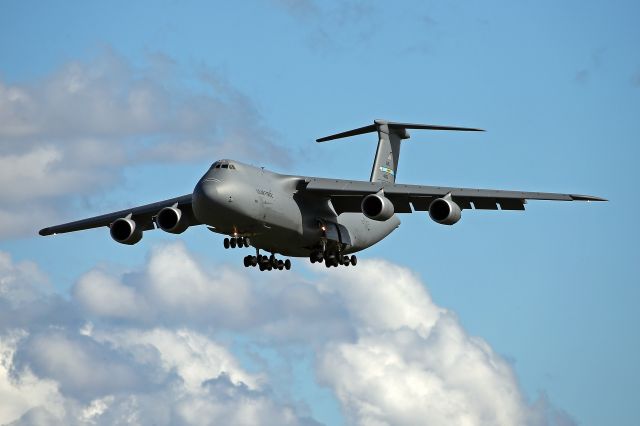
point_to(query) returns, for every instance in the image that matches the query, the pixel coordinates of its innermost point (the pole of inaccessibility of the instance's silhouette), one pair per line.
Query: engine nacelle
(171, 219)
(125, 231)
(444, 211)
(377, 207)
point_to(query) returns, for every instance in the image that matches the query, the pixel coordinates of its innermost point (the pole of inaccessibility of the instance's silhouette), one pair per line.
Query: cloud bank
(72, 132)
(152, 346)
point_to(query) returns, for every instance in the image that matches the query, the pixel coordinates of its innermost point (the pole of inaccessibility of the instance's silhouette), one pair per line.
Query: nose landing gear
(236, 242)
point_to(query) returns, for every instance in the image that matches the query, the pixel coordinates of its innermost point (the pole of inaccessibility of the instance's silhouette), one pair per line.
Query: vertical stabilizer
(385, 163)
(390, 134)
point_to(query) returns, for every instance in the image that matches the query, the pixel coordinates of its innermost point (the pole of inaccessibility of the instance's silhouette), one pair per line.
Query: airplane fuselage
(237, 199)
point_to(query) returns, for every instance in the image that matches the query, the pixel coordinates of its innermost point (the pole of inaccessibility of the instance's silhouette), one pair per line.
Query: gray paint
(297, 215)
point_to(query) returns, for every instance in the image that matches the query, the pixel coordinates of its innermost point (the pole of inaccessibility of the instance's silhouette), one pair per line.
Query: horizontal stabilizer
(393, 126)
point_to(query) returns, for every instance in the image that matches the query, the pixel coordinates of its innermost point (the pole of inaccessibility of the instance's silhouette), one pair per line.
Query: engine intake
(125, 231)
(171, 219)
(377, 207)
(444, 211)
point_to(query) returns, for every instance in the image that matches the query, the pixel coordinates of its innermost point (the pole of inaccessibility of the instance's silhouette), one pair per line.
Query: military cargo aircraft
(324, 219)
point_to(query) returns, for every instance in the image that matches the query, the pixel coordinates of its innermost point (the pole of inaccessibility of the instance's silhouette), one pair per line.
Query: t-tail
(390, 134)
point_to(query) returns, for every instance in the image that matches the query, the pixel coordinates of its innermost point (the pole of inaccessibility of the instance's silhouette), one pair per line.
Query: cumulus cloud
(151, 349)
(72, 132)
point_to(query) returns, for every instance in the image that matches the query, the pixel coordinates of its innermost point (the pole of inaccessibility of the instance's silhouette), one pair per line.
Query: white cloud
(55, 369)
(152, 352)
(72, 132)
(412, 363)
(19, 394)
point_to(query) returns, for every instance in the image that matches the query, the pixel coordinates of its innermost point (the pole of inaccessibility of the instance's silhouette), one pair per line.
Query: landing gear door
(338, 233)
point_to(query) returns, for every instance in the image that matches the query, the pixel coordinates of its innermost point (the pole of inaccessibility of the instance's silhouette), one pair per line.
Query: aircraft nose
(207, 198)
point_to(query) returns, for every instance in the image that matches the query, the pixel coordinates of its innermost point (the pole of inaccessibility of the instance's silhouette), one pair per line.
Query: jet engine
(444, 211)
(171, 219)
(125, 231)
(377, 207)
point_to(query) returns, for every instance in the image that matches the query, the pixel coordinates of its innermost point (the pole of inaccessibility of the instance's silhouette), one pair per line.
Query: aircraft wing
(346, 195)
(142, 215)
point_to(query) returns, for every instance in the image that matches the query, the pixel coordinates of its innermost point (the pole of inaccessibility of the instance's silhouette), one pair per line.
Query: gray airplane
(323, 219)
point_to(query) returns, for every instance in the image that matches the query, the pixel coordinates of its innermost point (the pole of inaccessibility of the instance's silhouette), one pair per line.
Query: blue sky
(553, 291)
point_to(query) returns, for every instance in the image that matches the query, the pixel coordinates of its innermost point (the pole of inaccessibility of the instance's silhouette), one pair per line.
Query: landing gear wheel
(247, 241)
(354, 260)
(254, 261)
(246, 261)
(345, 260)
(287, 264)
(226, 243)
(232, 243)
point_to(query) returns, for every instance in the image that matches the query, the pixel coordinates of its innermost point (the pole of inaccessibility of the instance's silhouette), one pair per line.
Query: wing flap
(511, 204)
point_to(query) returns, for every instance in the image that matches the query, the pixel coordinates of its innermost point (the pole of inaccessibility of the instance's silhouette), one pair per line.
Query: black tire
(354, 260)
(254, 261)
(262, 268)
(287, 264)
(247, 241)
(327, 264)
(232, 243)
(246, 261)
(226, 243)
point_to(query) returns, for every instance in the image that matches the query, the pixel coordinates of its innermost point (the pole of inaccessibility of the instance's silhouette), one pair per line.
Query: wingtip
(587, 198)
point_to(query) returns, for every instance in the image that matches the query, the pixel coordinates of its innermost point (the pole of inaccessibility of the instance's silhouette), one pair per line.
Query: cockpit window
(223, 165)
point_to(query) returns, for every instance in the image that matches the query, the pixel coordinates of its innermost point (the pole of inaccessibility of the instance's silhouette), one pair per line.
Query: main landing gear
(333, 259)
(267, 263)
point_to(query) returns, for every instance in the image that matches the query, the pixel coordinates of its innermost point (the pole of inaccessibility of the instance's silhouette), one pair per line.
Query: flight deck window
(224, 166)
(231, 166)
(217, 166)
